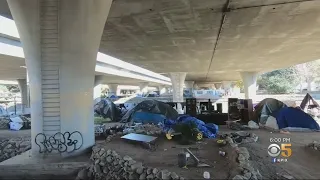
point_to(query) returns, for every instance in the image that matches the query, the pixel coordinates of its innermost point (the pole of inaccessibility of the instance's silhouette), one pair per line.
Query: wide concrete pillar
(24, 93)
(60, 40)
(218, 85)
(113, 90)
(189, 86)
(177, 80)
(143, 87)
(98, 79)
(250, 84)
(161, 89)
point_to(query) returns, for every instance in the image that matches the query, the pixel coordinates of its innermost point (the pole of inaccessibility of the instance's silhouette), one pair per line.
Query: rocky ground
(12, 147)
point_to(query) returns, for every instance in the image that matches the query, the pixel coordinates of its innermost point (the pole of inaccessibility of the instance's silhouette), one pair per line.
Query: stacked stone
(107, 164)
(4, 123)
(247, 171)
(12, 147)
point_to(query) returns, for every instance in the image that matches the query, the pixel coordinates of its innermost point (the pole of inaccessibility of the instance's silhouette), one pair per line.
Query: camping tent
(151, 107)
(267, 107)
(295, 117)
(107, 109)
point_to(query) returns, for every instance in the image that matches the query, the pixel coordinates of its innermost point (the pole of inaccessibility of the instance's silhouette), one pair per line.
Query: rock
(139, 170)
(246, 165)
(109, 159)
(133, 176)
(127, 158)
(155, 171)
(181, 178)
(238, 177)
(114, 153)
(143, 176)
(97, 168)
(121, 162)
(82, 174)
(115, 163)
(109, 152)
(24, 144)
(241, 158)
(174, 176)
(97, 161)
(131, 162)
(102, 151)
(244, 151)
(149, 171)
(257, 174)
(9, 146)
(247, 175)
(150, 176)
(165, 174)
(136, 166)
(105, 170)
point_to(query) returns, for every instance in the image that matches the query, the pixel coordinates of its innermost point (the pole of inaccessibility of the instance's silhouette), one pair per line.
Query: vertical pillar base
(177, 80)
(250, 84)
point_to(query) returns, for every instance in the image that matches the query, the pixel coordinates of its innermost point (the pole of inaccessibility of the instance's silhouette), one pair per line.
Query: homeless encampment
(151, 109)
(209, 130)
(267, 107)
(107, 109)
(295, 117)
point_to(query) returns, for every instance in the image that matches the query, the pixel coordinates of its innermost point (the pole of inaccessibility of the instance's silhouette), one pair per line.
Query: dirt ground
(304, 163)
(166, 157)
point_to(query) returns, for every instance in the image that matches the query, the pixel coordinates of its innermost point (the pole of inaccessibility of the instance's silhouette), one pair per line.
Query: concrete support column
(218, 85)
(189, 86)
(143, 87)
(177, 80)
(227, 87)
(250, 84)
(161, 89)
(60, 41)
(24, 93)
(113, 90)
(97, 88)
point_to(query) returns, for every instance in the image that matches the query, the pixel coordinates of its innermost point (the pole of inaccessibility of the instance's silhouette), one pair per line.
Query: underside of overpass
(211, 40)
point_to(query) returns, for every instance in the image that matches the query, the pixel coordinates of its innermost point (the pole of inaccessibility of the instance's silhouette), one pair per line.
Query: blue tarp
(294, 117)
(209, 130)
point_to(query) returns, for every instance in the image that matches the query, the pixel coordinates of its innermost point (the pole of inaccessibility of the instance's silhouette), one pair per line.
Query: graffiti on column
(60, 142)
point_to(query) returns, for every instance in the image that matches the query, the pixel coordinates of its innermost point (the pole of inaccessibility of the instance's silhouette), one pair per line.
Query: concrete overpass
(207, 40)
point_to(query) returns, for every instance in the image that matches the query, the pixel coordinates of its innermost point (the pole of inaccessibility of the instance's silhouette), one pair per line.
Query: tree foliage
(279, 81)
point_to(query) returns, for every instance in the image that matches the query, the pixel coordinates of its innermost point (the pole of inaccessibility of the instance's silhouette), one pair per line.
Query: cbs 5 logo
(274, 150)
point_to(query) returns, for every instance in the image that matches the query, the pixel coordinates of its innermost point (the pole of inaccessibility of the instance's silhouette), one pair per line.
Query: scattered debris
(145, 139)
(12, 147)
(148, 129)
(183, 158)
(314, 145)
(222, 153)
(240, 137)
(206, 175)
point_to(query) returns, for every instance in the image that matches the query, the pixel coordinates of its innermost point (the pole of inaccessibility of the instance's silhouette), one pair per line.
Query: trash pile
(240, 137)
(148, 129)
(15, 122)
(314, 145)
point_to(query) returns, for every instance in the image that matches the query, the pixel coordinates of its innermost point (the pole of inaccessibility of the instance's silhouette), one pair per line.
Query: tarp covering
(308, 99)
(151, 106)
(107, 109)
(267, 107)
(294, 117)
(209, 130)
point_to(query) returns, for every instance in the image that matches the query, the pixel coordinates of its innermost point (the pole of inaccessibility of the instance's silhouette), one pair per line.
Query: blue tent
(294, 117)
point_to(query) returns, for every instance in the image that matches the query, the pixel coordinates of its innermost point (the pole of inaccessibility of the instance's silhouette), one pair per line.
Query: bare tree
(308, 72)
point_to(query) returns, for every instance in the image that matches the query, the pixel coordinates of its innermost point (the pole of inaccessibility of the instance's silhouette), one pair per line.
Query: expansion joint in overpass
(274, 4)
(224, 14)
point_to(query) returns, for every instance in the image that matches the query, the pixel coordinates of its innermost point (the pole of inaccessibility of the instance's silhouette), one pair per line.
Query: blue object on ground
(209, 130)
(145, 117)
(294, 117)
